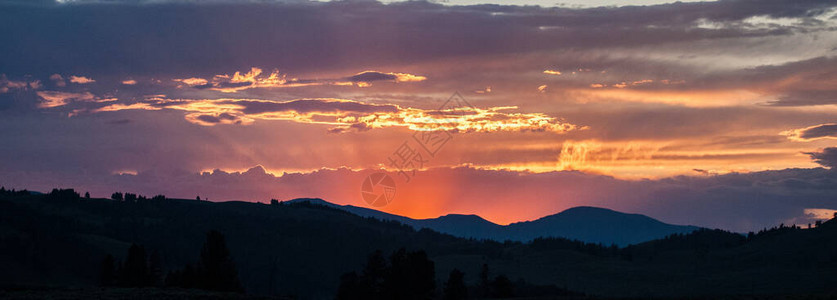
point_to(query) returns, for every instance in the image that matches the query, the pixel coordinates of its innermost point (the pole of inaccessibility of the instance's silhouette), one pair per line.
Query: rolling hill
(587, 224)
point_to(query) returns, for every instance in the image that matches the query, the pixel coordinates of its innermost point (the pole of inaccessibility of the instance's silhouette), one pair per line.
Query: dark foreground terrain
(54, 245)
(122, 293)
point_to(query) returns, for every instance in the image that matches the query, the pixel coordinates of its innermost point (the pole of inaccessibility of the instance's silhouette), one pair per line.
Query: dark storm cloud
(827, 157)
(179, 37)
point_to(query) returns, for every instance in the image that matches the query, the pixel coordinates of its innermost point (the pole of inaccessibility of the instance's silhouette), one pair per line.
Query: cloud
(129, 82)
(243, 81)
(192, 81)
(218, 118)
(804, 98)
(353, 34)
(7, 85)
(81, 80)
(256, 78)
(816, 132)
(121, 106)
(51, 99)
(796, 83)
(348, 115)
(370, 76)
(58, 80)
(827, 157)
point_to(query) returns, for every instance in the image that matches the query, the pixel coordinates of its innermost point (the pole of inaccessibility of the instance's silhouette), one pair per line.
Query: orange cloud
(120, 106)
(81, 79)
(192, 81)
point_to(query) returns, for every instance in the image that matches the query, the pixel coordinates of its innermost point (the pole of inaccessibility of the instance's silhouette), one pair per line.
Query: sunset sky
(718, 114)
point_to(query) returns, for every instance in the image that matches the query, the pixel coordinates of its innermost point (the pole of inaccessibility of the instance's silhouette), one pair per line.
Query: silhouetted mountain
(587, 224)
(596, 225)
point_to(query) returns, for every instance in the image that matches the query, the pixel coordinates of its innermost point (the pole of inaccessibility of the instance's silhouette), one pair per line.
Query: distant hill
(301, 249)
(587, 224)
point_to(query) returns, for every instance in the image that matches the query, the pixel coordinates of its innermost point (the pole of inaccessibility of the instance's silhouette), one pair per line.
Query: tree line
(13, 192)
(130, 197)
(411, 276)
(214, 270)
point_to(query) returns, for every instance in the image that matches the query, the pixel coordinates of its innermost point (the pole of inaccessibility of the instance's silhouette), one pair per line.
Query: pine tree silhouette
(107, 272)
(455, 288)
(155, 269)
(409, 275)
(484, 281)
(216, 264)
(134, 272)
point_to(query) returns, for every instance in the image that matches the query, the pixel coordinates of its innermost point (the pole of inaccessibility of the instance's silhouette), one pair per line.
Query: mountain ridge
(584, 223)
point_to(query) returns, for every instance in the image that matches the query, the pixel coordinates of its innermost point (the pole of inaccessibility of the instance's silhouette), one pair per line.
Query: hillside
(301, 249)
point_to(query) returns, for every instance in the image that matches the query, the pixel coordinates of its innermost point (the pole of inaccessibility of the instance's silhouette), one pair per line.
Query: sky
(718, 114)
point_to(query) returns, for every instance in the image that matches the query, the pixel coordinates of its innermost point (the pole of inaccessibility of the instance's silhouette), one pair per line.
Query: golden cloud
(120, 106)
(257, 78)
(404, 77)
(192, 81)
(348, 115)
